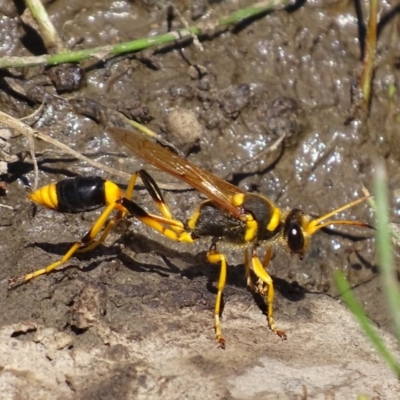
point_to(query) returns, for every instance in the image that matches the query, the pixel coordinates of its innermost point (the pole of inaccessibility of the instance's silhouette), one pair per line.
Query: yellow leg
(158, 199)
(114, 221)
(111, 224)
(158, 223)
(262, 274)
(261, 287)
(155, 193)
(85, 241)
(131, 186)
(154, 221)
(214, 257)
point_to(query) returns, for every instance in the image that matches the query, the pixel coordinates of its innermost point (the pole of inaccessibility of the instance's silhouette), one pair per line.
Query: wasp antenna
(345, 222)
(318, 223)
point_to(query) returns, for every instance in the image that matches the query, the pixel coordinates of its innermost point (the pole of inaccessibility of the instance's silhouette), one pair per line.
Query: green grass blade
(390, 285)
(355, 307)
(388, 274)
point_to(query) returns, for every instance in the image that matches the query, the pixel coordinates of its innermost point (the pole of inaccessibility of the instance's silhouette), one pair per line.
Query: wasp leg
(248, 266)
(131, 186)
(263, 275)
(267, 257)
(111, 224)
(261, 287)
(155, 193)
(86, 240)
(121, 214)
(158, 223)
(214, 257)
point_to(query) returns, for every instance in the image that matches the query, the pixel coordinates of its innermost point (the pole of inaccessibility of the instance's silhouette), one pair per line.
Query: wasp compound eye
(295, 238)
(293, 233)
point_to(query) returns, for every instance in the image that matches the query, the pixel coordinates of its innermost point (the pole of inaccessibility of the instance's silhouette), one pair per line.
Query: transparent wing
(217, 189)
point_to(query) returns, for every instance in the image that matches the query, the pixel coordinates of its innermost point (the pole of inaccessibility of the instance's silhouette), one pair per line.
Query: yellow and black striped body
(78, 194)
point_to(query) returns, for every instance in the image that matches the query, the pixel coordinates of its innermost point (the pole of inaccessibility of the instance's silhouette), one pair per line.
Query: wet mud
(267, 106)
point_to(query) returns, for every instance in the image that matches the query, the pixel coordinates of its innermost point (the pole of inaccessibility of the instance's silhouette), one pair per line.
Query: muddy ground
(134, 318)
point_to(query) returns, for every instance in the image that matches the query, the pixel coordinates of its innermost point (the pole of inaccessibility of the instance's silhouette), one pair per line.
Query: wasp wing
(217, 189)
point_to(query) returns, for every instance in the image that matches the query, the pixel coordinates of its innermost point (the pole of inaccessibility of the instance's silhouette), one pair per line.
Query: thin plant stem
(49, 33)
(103, 52)
(370, 50)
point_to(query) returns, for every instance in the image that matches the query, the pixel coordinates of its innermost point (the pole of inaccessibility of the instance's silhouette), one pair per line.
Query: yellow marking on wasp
(192, 222)
(46, 196)
(112, 192)
(275, 219)
(251, 228)
(238, 199)
(185, 237)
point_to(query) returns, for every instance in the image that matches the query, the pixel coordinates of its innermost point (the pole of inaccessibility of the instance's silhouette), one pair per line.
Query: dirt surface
(134, 318)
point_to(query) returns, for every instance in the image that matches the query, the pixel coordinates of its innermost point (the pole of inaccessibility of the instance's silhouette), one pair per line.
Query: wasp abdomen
(72, 195)
(79, 194)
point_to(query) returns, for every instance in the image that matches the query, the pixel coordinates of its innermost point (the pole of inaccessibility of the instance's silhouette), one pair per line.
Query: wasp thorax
(293, 232)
